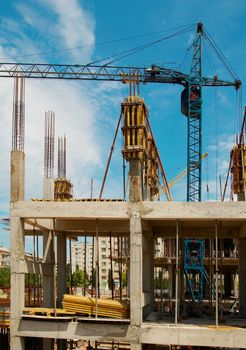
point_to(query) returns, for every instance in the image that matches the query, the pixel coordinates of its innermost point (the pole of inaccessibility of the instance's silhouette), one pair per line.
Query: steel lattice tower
(194, 145)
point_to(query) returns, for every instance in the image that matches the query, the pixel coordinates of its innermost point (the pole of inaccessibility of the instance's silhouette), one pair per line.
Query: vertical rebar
(18, 115)
(49, 135)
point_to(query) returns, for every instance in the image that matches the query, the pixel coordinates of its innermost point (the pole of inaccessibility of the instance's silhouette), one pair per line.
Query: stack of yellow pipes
(87, 306)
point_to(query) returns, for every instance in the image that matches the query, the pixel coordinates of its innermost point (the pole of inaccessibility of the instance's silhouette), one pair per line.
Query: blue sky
(88, 111)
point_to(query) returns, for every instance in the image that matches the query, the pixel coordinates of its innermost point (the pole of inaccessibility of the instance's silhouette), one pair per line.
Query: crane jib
(124, 74)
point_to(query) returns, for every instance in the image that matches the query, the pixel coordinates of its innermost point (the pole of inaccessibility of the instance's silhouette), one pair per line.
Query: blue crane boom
(153, 74)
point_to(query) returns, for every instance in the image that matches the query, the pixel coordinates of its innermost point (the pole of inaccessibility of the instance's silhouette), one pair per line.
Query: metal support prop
(54, 266)
(85, 244)
(92, 267)
(97, 265)
(111, 265)
(177, 273)
(120, 265)
(216, 277)
(110, 155)
(70, 270)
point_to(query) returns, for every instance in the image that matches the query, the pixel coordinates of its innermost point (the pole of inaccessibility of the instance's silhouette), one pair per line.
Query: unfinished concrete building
(202, 246)
(142, 221)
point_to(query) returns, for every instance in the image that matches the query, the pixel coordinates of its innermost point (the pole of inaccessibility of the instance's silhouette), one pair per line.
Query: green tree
(124, 279)
(4, 277)
(32, 280)
(161, 283)
(79, 278)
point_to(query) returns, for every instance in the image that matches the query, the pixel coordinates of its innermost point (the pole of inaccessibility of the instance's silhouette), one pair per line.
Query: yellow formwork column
(238, 169)
(134, 129)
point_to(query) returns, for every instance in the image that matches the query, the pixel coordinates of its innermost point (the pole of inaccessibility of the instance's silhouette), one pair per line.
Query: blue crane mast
(191, 105)
(194, 144)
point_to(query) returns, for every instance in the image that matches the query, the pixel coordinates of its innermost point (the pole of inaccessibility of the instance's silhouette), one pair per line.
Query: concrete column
(148, 271)
(135, 176)
(48, 188)
(17, 242)
(17, 176)
(242, 277)
(61, 267)
(136, 266)
(48, 281)
(17, 293)
(136, 346)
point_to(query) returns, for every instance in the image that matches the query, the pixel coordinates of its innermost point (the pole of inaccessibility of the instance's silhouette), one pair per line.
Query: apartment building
(82, 255)
(4, 257)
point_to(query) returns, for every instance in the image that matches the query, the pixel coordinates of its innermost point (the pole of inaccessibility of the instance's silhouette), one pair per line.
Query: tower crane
(191, 98)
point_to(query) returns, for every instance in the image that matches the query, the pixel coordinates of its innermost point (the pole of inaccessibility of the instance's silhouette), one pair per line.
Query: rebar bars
(49, 145)
(18, 118)
(62, 158)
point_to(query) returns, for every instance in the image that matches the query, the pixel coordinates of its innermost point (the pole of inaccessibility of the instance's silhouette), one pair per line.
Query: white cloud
(79, 106)
(75, 26)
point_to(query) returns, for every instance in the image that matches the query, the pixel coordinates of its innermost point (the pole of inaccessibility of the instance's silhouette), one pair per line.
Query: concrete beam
(39, 225)
(69, 210)
(33, 267)
(62, 329)
(207, 211)
(88, 226)
(148, 333)
(165, 334)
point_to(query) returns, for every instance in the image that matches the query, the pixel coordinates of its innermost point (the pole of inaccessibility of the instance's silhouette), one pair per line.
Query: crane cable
(94, 45)
(134, 50)
(220, 54)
